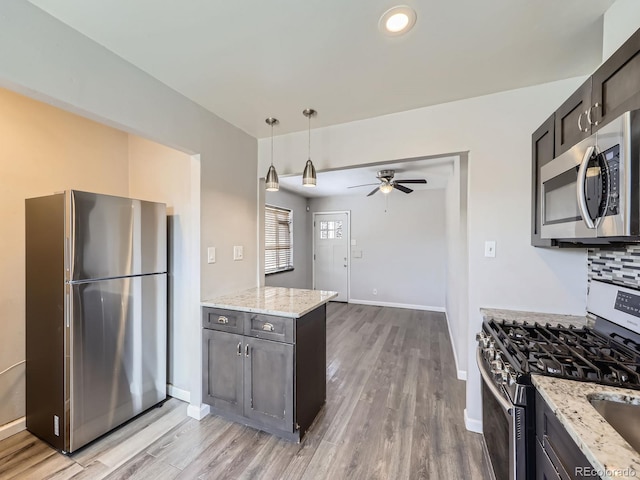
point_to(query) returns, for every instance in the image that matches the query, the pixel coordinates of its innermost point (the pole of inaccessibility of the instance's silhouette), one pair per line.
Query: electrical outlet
(211, 254)
(375, 291)
(238, 252)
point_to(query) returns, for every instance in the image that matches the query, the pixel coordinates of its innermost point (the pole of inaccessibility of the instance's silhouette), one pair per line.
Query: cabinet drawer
(270, 327)
(223, 320)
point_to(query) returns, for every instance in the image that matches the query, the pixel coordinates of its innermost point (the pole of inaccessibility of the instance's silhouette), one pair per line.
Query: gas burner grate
(575, 353)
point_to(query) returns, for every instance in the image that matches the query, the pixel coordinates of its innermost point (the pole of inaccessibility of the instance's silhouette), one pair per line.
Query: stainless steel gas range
(510, 352)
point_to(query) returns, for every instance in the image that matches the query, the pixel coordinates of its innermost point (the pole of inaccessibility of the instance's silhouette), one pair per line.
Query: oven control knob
(489, 353)
(504, 377)
(480, 336)
(496, 366)
(512, 379)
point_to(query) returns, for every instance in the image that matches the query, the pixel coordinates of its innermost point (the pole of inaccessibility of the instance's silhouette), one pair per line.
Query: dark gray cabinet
(613, 89)
(268, 383)
(223, 387)
(541, 154)
(616, 84)
(271, 375)
(557, 455)
(572, 119)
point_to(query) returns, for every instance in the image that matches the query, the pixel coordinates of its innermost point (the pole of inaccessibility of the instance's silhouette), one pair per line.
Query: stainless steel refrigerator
(96, 314)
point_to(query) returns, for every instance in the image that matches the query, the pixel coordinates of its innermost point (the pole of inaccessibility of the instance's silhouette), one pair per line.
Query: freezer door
(115, 236)
(118, 352)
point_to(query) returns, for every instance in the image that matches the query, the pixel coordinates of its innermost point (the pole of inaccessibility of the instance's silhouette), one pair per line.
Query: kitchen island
(264, 358)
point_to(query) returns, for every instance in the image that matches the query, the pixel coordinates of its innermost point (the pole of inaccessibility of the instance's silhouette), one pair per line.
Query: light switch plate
(490, 248)
(238, 252)
(353, 242)
(356, 253)
(211, 254)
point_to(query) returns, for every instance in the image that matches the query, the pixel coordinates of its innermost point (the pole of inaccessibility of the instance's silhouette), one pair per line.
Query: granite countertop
(517, 316)
(285, 302)
(607, 451)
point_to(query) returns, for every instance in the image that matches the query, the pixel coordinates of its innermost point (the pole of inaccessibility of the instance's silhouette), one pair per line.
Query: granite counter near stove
(517, 316)
(608, 452)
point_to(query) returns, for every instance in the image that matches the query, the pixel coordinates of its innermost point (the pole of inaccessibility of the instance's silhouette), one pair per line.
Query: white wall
(457, 271)
(496, 131)
(161, 174)
(300, 277)
(620, 22)
(45, 59)
(402, 240)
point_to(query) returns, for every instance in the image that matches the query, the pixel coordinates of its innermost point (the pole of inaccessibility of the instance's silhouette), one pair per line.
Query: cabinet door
(616, 88)
(571, 123)
(541, 153)
(544, 467)
(268, 383)
(222, 370)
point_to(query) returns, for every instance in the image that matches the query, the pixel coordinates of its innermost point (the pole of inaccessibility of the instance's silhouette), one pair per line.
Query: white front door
(331, 253)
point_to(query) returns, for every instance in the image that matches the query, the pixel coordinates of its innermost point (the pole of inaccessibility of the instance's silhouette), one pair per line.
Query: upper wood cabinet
(612, 90)
(616, 84)
(571, 119)
(542, 142)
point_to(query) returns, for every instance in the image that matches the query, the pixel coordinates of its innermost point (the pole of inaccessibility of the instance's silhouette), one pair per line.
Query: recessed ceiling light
(397, 20)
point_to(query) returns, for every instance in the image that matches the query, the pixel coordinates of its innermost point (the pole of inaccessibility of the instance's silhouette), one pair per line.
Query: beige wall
(43, 150)
(161, 174)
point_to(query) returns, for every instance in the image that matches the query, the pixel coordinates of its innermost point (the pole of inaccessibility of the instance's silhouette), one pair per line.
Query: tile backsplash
(620, 265)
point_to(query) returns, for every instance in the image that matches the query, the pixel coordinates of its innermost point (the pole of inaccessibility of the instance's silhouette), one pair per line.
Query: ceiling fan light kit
(271, 182)
(309, 177)
(387, 183)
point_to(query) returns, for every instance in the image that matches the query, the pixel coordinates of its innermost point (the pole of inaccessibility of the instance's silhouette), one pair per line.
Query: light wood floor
(394, 411)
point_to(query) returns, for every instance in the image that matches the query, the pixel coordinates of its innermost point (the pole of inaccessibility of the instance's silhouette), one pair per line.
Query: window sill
(290, 269)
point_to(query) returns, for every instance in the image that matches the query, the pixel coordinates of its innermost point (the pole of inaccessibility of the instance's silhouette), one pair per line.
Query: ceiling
(247, 60)
(337, 182)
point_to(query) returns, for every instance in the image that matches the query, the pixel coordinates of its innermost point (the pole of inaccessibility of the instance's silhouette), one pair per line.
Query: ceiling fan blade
(416, 180)
(402, 188)
(363, 185)
(373, 191)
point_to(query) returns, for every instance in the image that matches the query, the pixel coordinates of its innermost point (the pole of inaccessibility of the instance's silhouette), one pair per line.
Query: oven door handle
(582, 201)
(504, 403)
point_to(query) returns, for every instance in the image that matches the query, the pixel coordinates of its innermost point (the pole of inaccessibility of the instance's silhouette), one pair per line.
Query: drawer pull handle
(223, 320)
(239, 348)
(268, 327)
(246, 350)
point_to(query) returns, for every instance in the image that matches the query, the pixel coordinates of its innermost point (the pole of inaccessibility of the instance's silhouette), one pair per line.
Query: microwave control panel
(612, 159)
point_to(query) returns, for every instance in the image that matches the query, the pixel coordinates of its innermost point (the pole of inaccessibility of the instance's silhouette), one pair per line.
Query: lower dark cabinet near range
(272, 375)
(557, 455)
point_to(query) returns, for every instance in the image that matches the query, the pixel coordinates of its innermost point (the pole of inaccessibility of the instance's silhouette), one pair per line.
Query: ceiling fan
(387, 183)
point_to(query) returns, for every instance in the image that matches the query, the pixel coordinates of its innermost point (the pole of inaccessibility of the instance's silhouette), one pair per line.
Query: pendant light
(271, 181)
(309, 175)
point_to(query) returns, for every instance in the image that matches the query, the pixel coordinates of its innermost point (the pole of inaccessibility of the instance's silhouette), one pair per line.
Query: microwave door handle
(582, 201)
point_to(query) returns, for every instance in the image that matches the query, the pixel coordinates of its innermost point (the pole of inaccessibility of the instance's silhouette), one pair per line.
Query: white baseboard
(178, 393)
(12, 428)
(472, 424)
(462, 374)
(396, 305)
(198, 411)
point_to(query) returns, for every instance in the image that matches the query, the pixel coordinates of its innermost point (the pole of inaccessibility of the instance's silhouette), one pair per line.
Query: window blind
(278, 239)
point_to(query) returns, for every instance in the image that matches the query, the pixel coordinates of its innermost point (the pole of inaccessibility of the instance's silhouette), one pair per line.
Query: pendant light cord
(309, 136)
(272, 144)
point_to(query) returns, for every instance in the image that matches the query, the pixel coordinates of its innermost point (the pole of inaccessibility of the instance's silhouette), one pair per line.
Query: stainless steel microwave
(590, 193)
